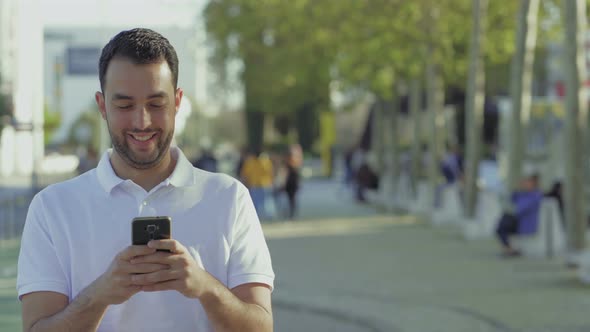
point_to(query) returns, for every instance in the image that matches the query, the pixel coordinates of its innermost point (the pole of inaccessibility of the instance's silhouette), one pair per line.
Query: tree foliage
(292, 50)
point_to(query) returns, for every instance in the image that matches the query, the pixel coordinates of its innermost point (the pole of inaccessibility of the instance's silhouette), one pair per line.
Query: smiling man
(77, 270)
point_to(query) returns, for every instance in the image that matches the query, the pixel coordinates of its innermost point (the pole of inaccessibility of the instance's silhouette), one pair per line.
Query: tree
(285, 60)
(474, 106)
(290, 51)
(521, 78)
(576, 123)
(52, 121)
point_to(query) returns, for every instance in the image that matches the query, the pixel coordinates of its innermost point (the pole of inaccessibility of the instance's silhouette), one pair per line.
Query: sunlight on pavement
(340, 226)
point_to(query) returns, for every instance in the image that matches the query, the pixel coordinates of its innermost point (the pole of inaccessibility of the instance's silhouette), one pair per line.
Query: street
(395, 273)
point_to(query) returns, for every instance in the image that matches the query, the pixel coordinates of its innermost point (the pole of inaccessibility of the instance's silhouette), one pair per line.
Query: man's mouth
(142, 137)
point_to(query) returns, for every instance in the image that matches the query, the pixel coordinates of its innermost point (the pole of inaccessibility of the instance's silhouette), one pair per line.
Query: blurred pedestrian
(244, 154)
(206, 161)
(257, 174)
(88, 159)
(522, 217)
(348, 169)
(292, 185)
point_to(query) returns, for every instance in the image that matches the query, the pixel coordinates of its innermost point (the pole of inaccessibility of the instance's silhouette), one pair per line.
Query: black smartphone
(144, 229)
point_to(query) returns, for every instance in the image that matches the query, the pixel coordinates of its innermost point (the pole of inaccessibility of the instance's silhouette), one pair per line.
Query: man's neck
(145, 178)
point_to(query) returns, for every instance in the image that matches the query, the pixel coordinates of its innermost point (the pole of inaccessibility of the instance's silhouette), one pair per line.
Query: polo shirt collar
(181, 176)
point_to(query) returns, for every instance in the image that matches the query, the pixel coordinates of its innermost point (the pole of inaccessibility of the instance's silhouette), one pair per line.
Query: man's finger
(161, 286)
(171, 260)
(133, 251)
(159, 257)
(168, 244)
(154, 277)
(145, 268)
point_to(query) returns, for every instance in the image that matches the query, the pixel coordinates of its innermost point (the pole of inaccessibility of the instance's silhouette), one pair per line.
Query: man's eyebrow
(118, 96)
(160, 94)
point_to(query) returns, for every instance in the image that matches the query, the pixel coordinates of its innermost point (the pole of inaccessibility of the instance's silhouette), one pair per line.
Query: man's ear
(178, 99)
(99, 97)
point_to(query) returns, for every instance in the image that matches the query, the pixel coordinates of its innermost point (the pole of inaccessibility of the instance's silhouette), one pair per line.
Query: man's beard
(141, 162)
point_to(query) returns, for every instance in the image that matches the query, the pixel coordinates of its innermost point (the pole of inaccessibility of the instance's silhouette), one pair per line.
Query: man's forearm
(227, 313)
(82, 314)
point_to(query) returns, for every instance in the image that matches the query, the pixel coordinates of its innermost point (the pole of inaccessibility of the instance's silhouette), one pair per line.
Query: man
(77, 270)
(524, 217)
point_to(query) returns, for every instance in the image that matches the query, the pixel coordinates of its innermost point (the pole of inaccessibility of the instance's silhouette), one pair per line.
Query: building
(21, 62)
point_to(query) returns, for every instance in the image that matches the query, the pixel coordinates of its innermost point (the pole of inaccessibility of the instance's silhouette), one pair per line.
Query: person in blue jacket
(523, 217)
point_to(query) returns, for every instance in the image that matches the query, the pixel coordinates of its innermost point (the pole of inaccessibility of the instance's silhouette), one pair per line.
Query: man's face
(529, 184)
(139, 104)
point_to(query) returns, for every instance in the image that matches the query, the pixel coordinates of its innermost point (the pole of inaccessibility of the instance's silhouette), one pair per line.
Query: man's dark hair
(141, 46)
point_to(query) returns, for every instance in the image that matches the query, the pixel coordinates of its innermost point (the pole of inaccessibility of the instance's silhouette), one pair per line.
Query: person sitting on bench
(523, 218)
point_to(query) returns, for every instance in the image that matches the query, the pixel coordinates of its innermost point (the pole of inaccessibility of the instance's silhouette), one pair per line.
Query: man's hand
(184, 275)
(116, 285)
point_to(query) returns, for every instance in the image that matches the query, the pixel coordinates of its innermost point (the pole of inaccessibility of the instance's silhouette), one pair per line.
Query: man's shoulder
(78, 185)
(214, 179)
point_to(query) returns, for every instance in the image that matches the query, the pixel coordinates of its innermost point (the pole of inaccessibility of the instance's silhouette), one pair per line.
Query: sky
(99, 13)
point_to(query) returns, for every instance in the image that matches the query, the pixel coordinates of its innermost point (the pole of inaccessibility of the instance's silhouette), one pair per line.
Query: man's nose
(143, 118)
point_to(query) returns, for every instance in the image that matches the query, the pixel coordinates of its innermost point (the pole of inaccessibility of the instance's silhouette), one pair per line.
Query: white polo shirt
(75, 228)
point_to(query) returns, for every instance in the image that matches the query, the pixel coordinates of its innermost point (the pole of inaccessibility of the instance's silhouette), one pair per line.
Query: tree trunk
(253, 111)
(378, 146)
(474, 107)
(307, 125)
(416, 155)
(521, 78)
(435, 101)
(255, 128)
(576, 123)
(394, 136)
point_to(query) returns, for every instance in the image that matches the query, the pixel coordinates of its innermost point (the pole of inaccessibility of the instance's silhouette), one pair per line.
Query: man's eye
(124, 107)
(157, 105)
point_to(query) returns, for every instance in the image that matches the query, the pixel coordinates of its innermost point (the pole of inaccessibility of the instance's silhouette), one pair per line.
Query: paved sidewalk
(397, 274)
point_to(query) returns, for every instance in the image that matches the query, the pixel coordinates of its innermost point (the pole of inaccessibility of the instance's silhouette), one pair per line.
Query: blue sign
(83, 60)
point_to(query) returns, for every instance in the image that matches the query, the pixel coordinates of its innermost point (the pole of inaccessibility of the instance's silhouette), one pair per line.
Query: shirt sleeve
(249, 260)
(39, 268)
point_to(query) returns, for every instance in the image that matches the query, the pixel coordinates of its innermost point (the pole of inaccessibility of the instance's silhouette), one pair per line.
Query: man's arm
(50, 311)
(245, 308)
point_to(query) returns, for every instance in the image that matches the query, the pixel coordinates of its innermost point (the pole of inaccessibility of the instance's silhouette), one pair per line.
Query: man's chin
(142, 161)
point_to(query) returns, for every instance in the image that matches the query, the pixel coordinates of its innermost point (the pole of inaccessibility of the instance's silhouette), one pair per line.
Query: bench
(488, 212)
(404, 194)
(451, 207)
(583, 262)
(423, 203)
(383, 196)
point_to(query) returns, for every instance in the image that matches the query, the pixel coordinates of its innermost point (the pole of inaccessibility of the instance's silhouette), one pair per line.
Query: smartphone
(144, 229)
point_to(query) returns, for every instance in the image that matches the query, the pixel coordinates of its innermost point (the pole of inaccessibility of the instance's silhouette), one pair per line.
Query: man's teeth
(142, 138)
